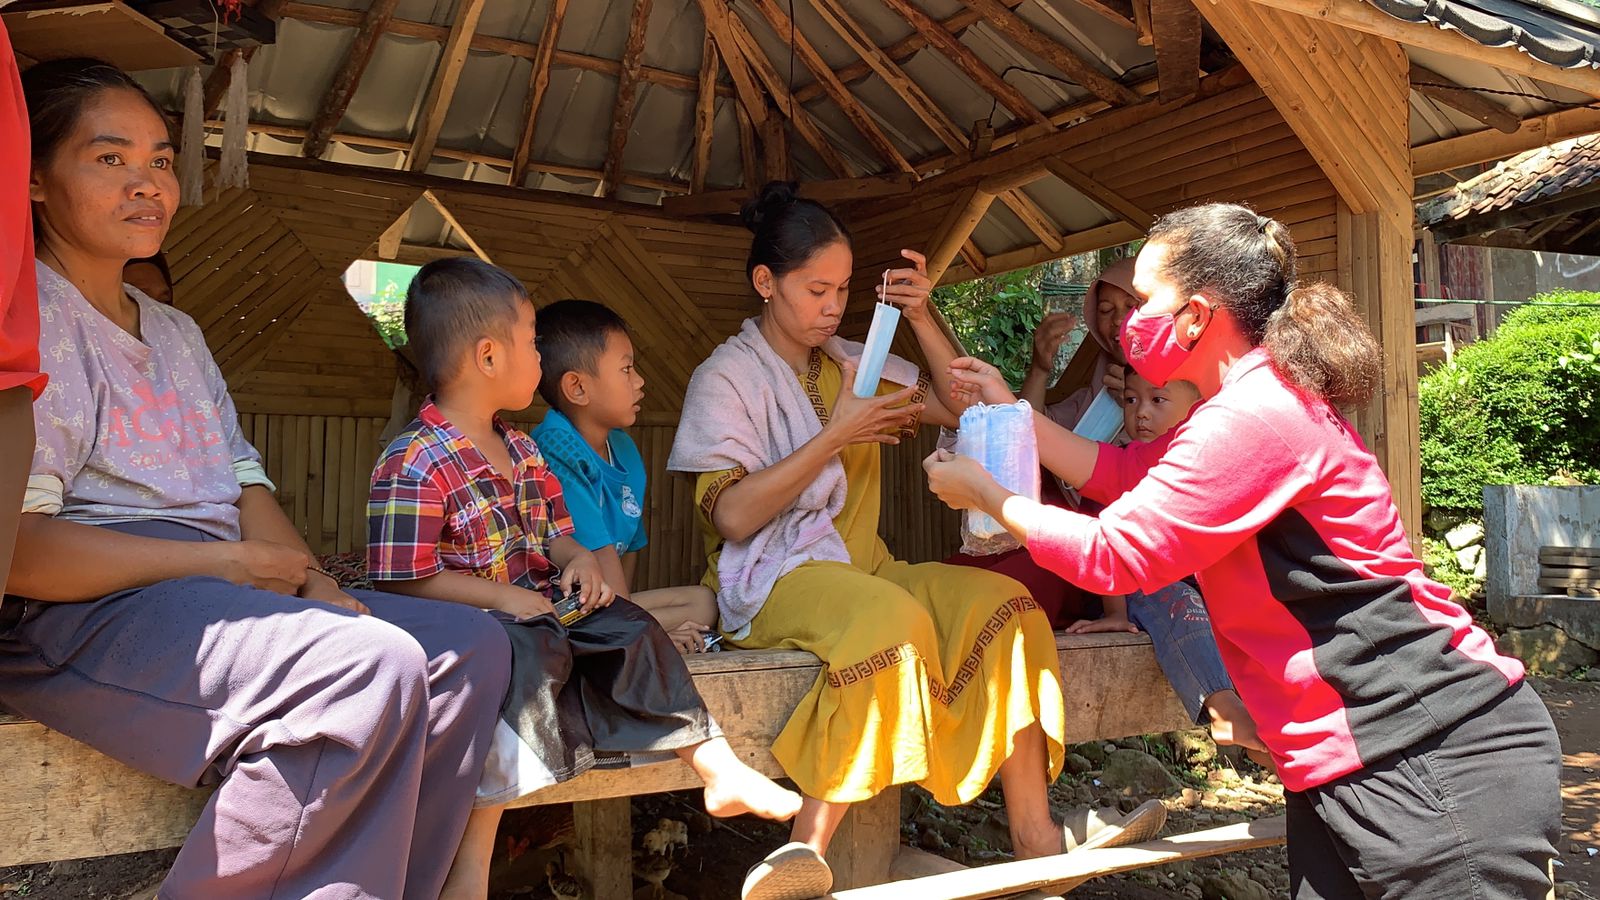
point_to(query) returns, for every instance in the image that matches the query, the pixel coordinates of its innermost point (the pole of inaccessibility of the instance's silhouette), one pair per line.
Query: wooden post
(866, 842)
(603, 846)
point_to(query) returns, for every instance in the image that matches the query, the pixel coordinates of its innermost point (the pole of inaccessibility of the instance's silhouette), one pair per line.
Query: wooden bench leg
(603, 845)
(866, 842)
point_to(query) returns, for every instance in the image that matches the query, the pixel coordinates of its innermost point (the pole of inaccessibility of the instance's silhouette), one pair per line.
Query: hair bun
(774, 197)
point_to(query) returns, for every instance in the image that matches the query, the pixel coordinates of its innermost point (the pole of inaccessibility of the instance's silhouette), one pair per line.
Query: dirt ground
(1204, 793)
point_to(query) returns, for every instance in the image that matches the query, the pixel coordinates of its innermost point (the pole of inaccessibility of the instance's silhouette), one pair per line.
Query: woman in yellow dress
(939, 675)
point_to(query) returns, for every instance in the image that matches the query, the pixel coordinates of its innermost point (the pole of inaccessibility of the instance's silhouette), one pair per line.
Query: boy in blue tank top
(592, 383)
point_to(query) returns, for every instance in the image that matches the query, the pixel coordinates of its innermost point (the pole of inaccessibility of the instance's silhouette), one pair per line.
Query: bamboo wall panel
(322, 466)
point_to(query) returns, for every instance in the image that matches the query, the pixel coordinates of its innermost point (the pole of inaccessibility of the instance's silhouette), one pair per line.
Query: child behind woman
(464, 509)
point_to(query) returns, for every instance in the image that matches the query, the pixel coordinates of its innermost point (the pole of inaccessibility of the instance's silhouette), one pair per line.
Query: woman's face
(1114, 306)
(807, 302)
(109, 190)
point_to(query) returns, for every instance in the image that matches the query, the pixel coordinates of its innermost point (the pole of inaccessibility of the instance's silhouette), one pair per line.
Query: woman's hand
(262, 564)
(1102, 625)
(962, 483)
(1047, 339)
(322, 589)
(972, 380)
(584, 571)
(909, 288)
(1115, 379)
(869, 420)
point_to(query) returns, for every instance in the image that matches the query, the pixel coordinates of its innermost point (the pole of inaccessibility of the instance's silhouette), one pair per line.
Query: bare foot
(1033, 846)
(735, 791)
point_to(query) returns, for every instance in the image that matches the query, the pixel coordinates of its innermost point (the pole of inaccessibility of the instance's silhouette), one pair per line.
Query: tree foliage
(1515, 408)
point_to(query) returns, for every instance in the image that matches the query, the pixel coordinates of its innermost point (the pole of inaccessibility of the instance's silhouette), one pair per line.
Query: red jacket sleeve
(1224, 474)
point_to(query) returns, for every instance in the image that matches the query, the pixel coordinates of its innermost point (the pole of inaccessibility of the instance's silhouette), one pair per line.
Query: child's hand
(973, 380)
(1047, 339)
(525, 604)
(690, 637)
(1110, 623)
(583, 570)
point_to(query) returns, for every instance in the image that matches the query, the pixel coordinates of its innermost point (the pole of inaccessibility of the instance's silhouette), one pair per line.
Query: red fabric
(1343, 650)
(1063, 602)
(19, 295)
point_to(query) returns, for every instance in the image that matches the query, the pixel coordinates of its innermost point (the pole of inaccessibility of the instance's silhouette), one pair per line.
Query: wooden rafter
(627, 87)
(1066, 61)
(388, 245)
(451, 220)
(445, 79)
(1106, 198)
(901, 50)
(967, 210)
(1365, 18)
(1117, 12)
(748, 162)
(217, 79)
(835, 89)
(774, 149)
(705, 114)
(720, 22)
(804, 124)
(374, 22)
(1490, 144)
(1096, 238)
(882, 62)
(1036, 220)
(538, 83)
(967, 61)
(1175, 27)
(839, 190)
(1434, 86)
(1142, 23)
(332, 15)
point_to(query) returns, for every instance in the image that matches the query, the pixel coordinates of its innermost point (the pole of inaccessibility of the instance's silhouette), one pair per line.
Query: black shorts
(1472, 813)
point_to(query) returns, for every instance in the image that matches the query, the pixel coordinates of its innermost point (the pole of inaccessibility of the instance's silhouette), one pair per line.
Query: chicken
(654, 868)
(666, 838)
(562, 885)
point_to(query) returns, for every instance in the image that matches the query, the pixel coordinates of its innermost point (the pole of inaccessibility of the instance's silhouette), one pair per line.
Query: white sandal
(1086, 829)
(791, 872)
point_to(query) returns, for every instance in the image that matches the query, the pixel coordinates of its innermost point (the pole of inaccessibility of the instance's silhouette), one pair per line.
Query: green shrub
(995, 316)
(1516, 408)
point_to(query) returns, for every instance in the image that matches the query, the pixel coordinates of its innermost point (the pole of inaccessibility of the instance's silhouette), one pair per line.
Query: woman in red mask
(1417, 762)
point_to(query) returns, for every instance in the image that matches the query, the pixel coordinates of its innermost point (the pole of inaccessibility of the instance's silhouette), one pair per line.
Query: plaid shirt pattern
(437, 504)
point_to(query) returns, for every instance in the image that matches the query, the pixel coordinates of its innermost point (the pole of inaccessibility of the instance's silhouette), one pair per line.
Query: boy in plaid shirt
(465, 510)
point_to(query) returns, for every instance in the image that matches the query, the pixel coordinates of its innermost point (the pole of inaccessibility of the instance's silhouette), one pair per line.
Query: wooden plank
(967, 210)
(538, 83)
(1066, 61)
(705, 114)
(1490, 144)
(603, 845)
(775, 150)
(1368, 19)
(450, 218)
(1434, 86)
(389, 242)
(1175, 29)
(833, 87)
(1106, 198)
(967, 61)
(374, 22)
(803, 123)
(627, 88)
(1059, 874)
(864, 847)
(720, 22)
(1036, 219)
(443, 87)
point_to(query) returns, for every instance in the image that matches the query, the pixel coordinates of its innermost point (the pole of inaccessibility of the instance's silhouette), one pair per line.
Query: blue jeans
(1179, 627)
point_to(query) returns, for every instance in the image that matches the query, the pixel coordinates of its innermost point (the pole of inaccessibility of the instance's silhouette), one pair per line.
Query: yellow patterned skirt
(929, 673)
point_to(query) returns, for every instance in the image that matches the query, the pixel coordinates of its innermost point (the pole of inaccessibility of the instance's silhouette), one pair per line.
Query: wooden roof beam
(1368, 19)
(1096, 238)
(833, 87)
(451, 220)
(1175, 25)
(538, 83)
(331, 15)
(1036, 220)
(967, 61)
(1066, 61)
(1489, 145)
(803, 123)
(705, 114)
(748, 162)
(720, 22)
(627, 89)
(1104, 197)
(1464, 100)
(839, 190)
(374, 22)
(445, 79)
(969, 208)
(388, 244)
(1117, 12)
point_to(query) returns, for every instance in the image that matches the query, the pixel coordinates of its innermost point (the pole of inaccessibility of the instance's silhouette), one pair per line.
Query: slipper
(1087, 829)
(791, 872)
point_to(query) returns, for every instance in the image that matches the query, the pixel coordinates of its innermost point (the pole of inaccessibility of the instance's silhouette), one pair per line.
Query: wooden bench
(59, 799)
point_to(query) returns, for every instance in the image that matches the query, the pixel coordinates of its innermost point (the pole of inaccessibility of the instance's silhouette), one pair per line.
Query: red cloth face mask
(1151, 346)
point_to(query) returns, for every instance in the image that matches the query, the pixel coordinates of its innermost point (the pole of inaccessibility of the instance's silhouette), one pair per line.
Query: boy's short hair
(572, 335)
(452, 304)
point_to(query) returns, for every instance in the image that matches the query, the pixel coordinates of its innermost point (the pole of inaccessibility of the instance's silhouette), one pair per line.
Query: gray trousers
(345, 749)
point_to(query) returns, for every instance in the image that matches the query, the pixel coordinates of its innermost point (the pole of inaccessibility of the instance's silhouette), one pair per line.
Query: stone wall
(1553, 634)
